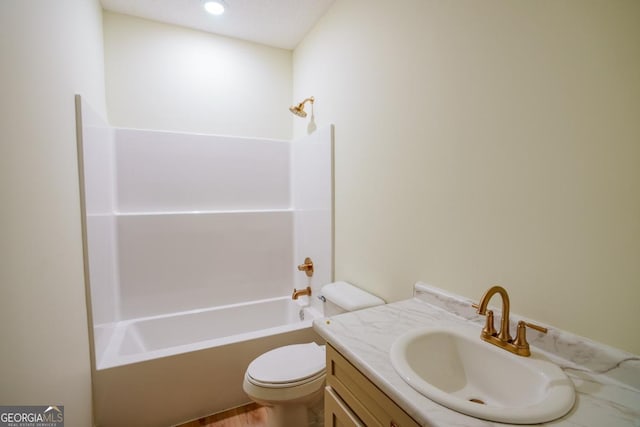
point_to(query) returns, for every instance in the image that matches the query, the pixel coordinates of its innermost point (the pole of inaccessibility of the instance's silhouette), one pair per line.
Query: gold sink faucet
(489, 330)
(502, 339)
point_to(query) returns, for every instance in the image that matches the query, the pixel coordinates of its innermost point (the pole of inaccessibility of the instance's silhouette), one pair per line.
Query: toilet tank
(342, 297)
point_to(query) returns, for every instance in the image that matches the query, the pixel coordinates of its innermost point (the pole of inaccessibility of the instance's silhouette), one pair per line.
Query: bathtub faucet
(307, 267)
(297, 293)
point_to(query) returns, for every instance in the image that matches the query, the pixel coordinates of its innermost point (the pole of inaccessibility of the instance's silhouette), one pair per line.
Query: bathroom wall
(164, 77)
(487, 142)
(49, 51)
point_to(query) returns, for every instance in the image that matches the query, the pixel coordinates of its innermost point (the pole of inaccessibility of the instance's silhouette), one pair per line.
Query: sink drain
(479, 401)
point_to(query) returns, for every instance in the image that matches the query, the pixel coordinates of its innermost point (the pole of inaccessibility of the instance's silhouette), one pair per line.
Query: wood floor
(251, 415)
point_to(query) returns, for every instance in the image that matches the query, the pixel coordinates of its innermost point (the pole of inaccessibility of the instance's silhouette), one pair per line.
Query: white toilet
(289, 380)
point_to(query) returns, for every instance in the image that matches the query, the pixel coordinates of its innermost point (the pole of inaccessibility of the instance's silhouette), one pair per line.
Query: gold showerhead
(298, 110)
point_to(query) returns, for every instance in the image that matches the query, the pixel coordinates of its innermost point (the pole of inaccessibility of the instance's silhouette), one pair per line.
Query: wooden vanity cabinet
(351, 400)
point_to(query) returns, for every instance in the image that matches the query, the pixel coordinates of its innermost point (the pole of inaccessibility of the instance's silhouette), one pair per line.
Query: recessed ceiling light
(214, 7)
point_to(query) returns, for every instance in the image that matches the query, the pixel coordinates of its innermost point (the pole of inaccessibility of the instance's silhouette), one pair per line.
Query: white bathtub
(168, 369)
(147, 338)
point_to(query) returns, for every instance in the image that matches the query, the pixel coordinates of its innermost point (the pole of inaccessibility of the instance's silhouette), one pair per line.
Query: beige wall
(48, 52)
(165, 77)
(487, 142)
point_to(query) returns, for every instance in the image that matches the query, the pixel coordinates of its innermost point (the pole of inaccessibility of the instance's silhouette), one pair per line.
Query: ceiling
(279, 23)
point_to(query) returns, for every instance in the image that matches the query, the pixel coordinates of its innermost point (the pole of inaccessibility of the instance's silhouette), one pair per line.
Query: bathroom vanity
(350, 397)
(363, 388)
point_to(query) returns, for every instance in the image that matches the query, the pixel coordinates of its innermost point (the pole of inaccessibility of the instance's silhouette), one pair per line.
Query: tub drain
(479, 401)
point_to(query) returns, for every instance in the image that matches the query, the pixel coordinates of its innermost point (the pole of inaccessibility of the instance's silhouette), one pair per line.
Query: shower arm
(311, 99)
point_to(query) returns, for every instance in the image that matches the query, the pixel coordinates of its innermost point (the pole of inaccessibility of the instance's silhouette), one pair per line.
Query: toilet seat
(285, 385)
(288, 366)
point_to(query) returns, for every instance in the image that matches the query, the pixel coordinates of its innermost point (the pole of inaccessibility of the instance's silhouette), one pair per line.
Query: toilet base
(307, 413)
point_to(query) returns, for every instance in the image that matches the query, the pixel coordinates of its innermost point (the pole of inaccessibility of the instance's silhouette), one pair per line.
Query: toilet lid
(288, 364)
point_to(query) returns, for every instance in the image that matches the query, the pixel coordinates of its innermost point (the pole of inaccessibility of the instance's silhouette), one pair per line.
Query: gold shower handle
(307, 267)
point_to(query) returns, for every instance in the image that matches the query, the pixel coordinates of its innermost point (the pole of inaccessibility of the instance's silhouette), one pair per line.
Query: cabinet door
(336, 413)
(361, 396)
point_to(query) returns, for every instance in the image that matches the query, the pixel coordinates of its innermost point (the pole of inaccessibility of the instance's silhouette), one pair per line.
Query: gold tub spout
(300, 292)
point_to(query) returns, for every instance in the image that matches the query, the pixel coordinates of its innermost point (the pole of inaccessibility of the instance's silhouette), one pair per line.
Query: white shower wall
(178, 222)
(177, 262)
(202, 220)
(168, 172)
(99, 178)
(312, 196)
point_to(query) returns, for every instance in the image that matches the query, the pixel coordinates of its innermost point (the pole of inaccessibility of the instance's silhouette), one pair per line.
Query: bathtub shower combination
(192, 243)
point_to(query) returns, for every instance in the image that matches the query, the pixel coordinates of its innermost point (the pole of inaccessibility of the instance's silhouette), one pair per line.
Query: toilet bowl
(289, 381)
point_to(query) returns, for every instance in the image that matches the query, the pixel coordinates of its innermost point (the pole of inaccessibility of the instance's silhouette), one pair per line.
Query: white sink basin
(455, 368)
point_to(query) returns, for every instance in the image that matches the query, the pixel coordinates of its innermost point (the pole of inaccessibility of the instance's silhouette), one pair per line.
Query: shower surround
(192, 243)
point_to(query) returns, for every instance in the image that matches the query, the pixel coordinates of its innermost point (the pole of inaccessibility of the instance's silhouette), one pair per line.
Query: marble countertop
(607, 380)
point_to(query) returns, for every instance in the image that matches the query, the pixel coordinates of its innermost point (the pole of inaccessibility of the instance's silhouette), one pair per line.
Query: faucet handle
(489, 329)
(521, 336)
(536, 327)
(307, 267)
